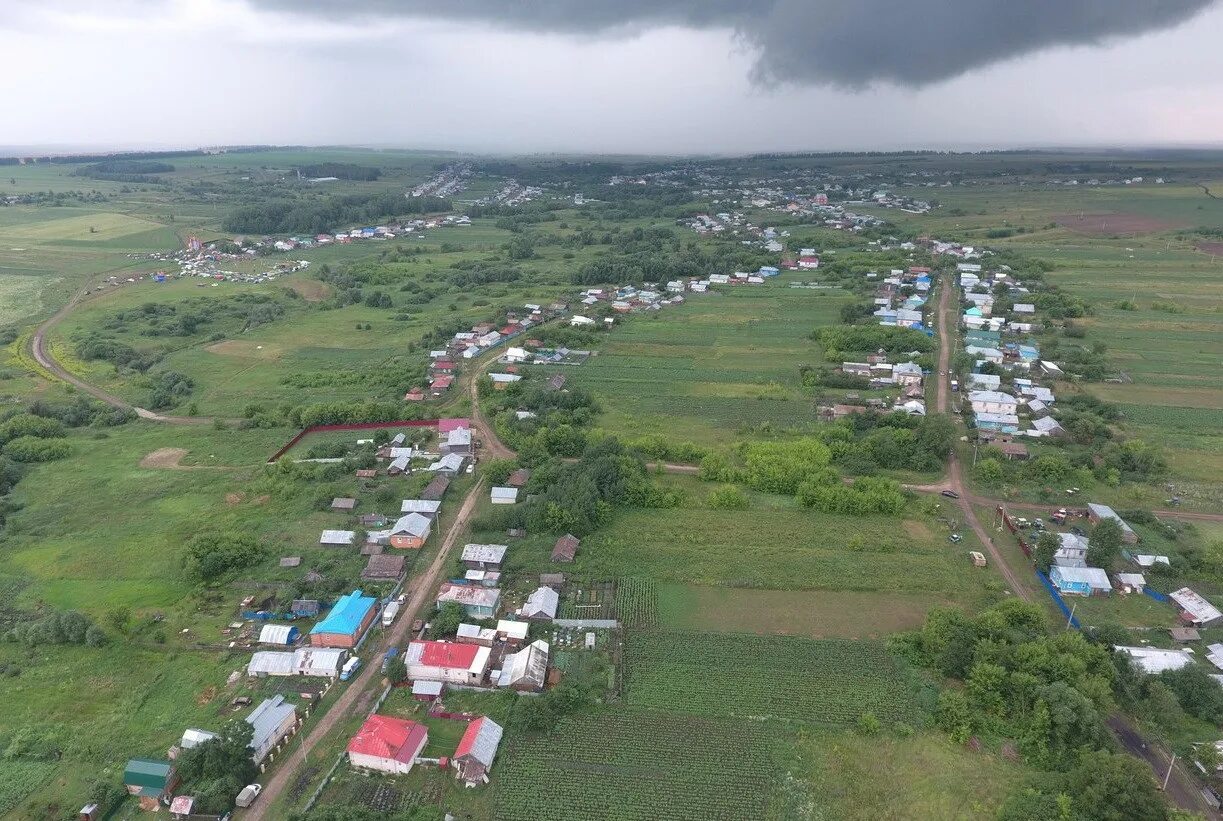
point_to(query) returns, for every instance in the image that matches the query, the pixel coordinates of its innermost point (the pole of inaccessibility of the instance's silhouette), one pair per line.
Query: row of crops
(634, 766)
(637, 602)
(828, 681)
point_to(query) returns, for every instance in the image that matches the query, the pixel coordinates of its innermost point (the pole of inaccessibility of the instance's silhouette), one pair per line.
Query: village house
(477, 602)
(425, 507)
(450, 464)
(387, 744)
(484, 556)
(346, 623)
(474, 756)
(457, 441)
(446, 661)
(1073, 551)
(1195, 610)
(436, 489)
(1153, 660)
(907, 373)
(540, 605)
(149, 779)
(1096, 513)
(272, 721)
(526, 670)
(475, 634)
(411, 531)
(993, 402)
(1080, 581)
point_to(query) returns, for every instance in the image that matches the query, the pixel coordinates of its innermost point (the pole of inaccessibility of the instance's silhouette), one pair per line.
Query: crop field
(831, 681)
(717, 363)
(782, 550)
(638, 766)
(809, 613)
(20, 778)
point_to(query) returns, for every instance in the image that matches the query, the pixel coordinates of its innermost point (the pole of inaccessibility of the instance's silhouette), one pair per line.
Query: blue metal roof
(347, 615)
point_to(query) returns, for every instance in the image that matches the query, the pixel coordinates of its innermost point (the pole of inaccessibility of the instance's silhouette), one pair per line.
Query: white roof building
(527, 669)
(486, 553)
(1154, 660)
(503, 495)
(542, 604)
(1200, 611)
(337, 538)
(426, 507)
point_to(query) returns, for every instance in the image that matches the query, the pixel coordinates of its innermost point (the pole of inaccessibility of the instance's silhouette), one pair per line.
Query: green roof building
(148, 778)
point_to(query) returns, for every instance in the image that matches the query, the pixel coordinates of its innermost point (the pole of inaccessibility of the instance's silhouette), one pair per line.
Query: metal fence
(1059, 601)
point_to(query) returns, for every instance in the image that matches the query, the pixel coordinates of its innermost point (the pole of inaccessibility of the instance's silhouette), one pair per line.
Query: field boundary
(304, 432)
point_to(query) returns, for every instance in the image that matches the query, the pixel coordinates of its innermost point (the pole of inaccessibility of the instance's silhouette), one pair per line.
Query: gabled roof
(389, 737)
(448, 654)
(491, 553)
(529, 666)
(267, 719)
(480, 741)
(566, 548)
(413, 524)
(420, 506)
(347, 614)
(543, 601)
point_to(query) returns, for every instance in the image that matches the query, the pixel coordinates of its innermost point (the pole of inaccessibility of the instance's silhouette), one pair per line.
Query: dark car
(950, 494)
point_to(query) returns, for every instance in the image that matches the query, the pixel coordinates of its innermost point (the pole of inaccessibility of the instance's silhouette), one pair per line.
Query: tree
(1113, 787)
(989, 472)
(217, 770)
(1046, 547)
(213, 555)
(447, 619)
(1028, 804)
(1104, 544)
(396, 670)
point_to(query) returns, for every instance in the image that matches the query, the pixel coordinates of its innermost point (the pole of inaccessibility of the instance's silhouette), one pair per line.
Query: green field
(831, 681)
(718, 364)
(639, 766)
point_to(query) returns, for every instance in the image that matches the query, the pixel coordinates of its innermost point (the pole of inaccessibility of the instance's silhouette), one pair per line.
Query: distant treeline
(341, 170)
(72, 159)
(125, 170)
(315, 216)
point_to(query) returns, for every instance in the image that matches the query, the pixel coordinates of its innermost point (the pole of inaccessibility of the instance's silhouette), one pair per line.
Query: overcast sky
(672, 76)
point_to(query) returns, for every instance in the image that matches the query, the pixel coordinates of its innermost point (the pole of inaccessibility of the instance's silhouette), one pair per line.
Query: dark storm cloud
(836, 42)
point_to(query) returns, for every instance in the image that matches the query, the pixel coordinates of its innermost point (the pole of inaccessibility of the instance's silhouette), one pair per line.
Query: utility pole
(1168, 774)
(1070, 619)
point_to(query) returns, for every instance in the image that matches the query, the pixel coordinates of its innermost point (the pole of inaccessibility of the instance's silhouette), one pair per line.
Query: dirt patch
(262, 500)
(164, 458)
(1212, 248)
(1108, 224)
(207, 696)
(233, 498)
(311, 290)
(244, 349)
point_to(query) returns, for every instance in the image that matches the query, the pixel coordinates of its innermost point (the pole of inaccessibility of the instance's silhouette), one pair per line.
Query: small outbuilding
(473, 758)
(503, 495)
(566, 548)
(281, 634)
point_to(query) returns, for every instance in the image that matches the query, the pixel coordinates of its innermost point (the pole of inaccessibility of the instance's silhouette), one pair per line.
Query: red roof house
(387, 744)
(447, 425)
(448, 661)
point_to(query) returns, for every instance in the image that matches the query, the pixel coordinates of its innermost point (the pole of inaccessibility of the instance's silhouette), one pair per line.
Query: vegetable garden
(637, 766)
(830, 681)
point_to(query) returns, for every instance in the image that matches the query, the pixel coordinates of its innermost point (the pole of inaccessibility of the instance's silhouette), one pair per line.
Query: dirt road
(369, 679)
(43, 356)
(1182, 789)
(494, 448)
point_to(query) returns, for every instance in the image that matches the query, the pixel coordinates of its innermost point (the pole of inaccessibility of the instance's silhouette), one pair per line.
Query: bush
(33, 449)
(727, 497)
(213, 555)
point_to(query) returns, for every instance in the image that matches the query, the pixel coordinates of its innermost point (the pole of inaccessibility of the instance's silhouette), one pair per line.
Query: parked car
(950, 494)
(248, 795)
(956, 538)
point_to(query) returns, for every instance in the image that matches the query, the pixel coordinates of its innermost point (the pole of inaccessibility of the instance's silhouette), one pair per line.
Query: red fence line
(302, 434)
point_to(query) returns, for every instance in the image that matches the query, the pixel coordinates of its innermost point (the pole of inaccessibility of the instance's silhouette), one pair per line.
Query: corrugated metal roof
(278, 634)
(480, 741)
(493, 553)
(347, 614)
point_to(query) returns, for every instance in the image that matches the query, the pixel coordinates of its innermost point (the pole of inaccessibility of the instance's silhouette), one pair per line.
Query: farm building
(474, 756)
(1195, 610)
(1014, 450)
(484, 556)
(193, 738)
(566, 548)
(527, 670)
(282, 634)
(346, 623)
(384, 566)
(398, 465)
(149, 779)
(450, 662)
(1046, 426)
(1095, 513)
(387, 744)
(425, 507)
(304, 608)
(337, 538)
(1080, 581)
(272, 720)
(1153, 660)
(503, 495)
(477, 601)
(1130, 582)
(427, 690)
(436, 489)
(411, 531)
(484, 578)
(343, 503)
(1184, 634)
(316, 662)
(540, 605)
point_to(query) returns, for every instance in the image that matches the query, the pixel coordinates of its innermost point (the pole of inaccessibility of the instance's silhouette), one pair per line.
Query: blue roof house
(346, 623)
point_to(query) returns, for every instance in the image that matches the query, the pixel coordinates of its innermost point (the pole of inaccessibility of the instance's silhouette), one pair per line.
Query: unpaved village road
(368, 680)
